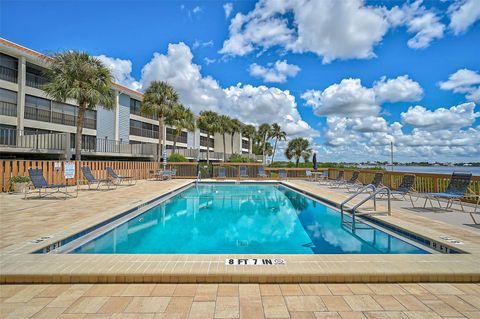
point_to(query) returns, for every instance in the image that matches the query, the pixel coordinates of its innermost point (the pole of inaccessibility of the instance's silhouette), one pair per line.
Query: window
(182, 138)
(8, 135)
(37, 108)
(8, 102)
(34, 76)
(204, 141)
(8, 68)
(245, 144)
(135, 106)
(143, 129)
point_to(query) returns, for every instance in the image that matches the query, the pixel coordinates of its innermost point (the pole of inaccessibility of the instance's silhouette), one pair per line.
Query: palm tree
(208, 121)
(249, 132)
(277, 133)
(263, 132)
(181, 118)
(159, 100)
(297, 148)
(79, 76)
(224, 127)
(235, 127)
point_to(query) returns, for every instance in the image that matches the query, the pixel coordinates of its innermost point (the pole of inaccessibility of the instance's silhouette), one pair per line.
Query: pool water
(243, 219)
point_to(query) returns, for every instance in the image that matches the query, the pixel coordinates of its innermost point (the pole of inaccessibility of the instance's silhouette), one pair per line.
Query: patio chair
(40, 184)
(91, 180)
(405, 188)
(173, 173)
(119, 179)
(282, 174)
(221, 172)
(457, 189)
(261, 172)
(309, 175)
(337, 180)
(243, 172)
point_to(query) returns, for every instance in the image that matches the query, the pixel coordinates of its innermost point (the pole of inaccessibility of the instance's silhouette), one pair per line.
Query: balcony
(8, 109)
(8, 74)
(33, 142)
(35, 81)
(144, 133)
(36, 114)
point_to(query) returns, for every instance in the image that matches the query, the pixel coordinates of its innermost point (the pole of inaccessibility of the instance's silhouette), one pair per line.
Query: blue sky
(315, 67)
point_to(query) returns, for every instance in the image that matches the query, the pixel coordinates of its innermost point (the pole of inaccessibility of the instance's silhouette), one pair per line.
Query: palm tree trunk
(274, 149)
(231, 149)
(298, 160)
(264, 147)
(160, 137)
(250, 146)
(208, 148)
(224, 148)
(174, 143)
(78, 143)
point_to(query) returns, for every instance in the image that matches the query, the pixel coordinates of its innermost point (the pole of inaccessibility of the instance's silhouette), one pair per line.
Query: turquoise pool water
(243, 219)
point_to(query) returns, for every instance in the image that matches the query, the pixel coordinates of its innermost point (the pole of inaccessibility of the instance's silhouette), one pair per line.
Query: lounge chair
(221, 172)
(457, 189)
(91, 180)
(406, 187)
(351, 183)
(243, 172)
(337, 180)
(282, 174)
(261, 172)
(40, 184)
(119, 179)
(173, 173)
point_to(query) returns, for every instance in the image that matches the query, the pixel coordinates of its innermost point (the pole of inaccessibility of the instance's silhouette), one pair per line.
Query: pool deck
(22, 221)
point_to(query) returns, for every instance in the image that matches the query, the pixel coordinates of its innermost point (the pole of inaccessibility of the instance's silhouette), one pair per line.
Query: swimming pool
(252, 218)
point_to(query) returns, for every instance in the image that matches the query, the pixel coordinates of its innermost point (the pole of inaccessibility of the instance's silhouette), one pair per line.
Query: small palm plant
(208, 121)
(249, 132)
(298, 148)
(159, 100)
(79, 76)
(181, 118)
(279, 135)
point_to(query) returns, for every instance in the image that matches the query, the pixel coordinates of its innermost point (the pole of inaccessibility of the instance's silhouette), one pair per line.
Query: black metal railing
(8, 74)
(36, 114)
(34, 80)
(32, 140)
(144, 133)
(8, 109)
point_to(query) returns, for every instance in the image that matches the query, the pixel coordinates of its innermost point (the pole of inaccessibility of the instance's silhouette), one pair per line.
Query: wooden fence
(232, 171)
(424, 182)
(139, 170)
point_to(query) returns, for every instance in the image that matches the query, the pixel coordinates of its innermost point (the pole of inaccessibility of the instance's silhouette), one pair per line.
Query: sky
(351, 76)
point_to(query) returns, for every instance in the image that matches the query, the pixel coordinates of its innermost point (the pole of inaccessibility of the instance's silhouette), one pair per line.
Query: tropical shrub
(175, 157)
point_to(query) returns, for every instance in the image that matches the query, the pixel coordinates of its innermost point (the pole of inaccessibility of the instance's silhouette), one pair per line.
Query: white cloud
(331, 29)
(402, 88)
(208, 61)
(459, 116)
(424, 23)
(228, 7)
(198, 44)
(250, 104)
(348, 98)
(464, 81)
(463, 13)
(121, 70)
(277, 72)
(196, 10)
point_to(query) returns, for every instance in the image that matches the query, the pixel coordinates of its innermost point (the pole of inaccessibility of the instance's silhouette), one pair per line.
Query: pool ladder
(199, 177)
(372, 195)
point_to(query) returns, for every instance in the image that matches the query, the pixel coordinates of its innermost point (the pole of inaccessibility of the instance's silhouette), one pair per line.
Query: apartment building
(34, 126)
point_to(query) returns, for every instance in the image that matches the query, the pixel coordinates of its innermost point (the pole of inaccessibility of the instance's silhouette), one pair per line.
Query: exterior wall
(124, 118)
(105, 123)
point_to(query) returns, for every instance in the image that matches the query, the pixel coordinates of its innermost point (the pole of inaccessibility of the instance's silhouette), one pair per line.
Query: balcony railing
(101, 145)
(35, 114)
(144, 133)
(34, 80)
(8, 74)
(8, 109)
(32, 140)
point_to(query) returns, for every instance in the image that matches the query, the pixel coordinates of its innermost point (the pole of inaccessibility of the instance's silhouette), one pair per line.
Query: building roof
(44, 57)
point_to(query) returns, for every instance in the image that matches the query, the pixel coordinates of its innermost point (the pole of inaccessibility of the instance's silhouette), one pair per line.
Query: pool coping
(20, 266)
